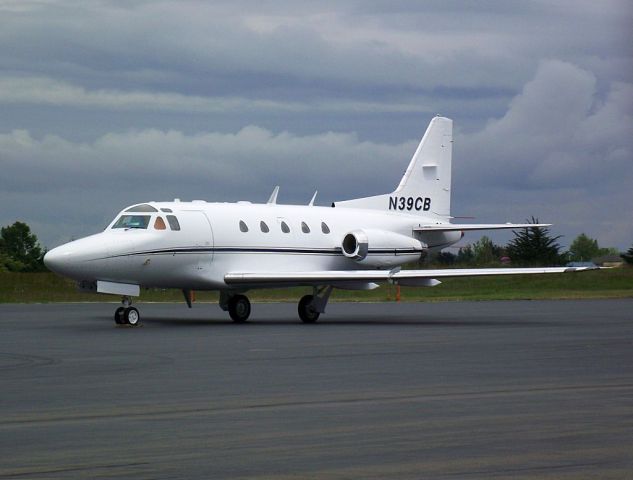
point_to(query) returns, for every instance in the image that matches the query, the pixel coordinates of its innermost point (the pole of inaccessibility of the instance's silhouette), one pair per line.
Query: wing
(359, 277)
(451, 227)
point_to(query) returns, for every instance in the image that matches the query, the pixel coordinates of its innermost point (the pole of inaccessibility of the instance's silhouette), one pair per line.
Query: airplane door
(198, 233)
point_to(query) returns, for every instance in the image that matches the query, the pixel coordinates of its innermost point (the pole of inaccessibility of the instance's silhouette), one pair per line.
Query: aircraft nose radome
(78, 259)
(54, 259)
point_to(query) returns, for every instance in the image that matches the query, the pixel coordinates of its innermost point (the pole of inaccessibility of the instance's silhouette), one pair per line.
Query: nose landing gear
(127, 315)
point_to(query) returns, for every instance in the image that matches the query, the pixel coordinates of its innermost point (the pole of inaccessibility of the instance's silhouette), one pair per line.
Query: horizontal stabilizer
(452, 227)
(338, 276)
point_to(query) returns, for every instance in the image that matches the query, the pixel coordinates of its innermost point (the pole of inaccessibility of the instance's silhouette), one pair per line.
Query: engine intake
(355, 245)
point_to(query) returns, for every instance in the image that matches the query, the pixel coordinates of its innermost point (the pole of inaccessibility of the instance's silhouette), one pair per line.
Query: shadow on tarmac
(348, 321)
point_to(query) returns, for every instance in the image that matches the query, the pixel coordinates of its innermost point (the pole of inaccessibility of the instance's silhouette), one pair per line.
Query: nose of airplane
(58, 259)
(79, 259)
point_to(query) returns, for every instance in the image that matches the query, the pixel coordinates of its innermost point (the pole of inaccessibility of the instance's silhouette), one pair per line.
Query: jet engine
(355, 245)
(380, 248)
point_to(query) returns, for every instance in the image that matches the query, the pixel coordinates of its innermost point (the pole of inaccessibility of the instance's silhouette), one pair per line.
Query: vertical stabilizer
(425, 187)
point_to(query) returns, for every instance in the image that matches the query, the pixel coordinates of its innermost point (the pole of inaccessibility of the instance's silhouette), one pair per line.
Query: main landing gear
(307, 312)
(238, 306)
(310, 306)
(127, 314)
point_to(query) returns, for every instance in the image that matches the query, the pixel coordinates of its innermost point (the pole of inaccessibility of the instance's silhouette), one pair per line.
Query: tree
(465, 255)
(609, 251)
(533, 246)
(446, 258)
(20, 250)
(486, 252)
(583, 248)
(628, 256)
(7, 264)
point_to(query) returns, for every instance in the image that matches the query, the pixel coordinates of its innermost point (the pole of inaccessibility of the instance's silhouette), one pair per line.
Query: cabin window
(324, 228)
(243, 226)
(159, 224)
(132, 221)
(142, 208)
(305, 228)
(284, 227)
(166, 210)
(264, 228)
(173, 222)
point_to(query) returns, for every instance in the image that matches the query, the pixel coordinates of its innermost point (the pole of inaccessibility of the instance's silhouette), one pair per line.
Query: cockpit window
(132, 221)
(167, 210)
(159, 224)
(173, 222)
(144, 207)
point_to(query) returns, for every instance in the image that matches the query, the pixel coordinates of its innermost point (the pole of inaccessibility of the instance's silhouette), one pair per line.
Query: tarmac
(524, 389)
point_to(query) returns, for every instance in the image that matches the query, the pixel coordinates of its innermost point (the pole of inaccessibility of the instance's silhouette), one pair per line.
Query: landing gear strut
(312, 306)
(127, 315)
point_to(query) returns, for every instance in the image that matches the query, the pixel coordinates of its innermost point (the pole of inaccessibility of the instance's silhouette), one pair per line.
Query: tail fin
(425, 187)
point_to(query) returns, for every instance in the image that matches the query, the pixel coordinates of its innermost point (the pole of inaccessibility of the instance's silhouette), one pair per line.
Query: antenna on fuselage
(313, 198)
(273, 196)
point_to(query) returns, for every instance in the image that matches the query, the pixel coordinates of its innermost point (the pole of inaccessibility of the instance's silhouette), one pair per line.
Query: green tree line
(530, 247)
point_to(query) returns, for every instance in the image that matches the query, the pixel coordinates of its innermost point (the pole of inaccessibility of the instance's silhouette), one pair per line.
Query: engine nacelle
(355, 245)
(380, 248)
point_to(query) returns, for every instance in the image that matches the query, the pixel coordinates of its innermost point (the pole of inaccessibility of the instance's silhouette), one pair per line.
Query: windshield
(132, 221)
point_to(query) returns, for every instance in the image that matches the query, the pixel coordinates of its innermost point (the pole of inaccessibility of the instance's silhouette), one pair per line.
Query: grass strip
(613, 283)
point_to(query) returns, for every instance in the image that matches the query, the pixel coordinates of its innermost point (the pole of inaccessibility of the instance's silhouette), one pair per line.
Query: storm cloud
(107, 103)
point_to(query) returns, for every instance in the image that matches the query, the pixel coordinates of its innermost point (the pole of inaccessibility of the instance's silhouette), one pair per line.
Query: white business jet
(236, 247)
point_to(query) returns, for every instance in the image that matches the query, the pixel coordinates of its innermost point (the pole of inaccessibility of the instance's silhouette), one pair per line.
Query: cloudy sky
(105, 104)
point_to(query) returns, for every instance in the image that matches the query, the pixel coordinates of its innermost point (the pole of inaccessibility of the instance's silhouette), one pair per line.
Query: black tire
(118, 316)
(239, 308)
(131, 316)
(307, 313)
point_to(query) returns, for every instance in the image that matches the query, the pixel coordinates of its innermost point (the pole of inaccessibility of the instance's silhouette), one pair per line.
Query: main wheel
(239, 308)
(307, 313)
(118, 316)
(131, 316)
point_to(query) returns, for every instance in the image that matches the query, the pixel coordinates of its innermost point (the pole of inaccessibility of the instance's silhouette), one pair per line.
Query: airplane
(236, 247)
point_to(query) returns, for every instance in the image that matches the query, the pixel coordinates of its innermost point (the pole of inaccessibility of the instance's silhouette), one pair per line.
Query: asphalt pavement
(536, 389)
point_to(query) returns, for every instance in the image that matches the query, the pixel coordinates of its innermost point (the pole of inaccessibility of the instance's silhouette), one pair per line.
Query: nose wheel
(127, 315)
(118, 316)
